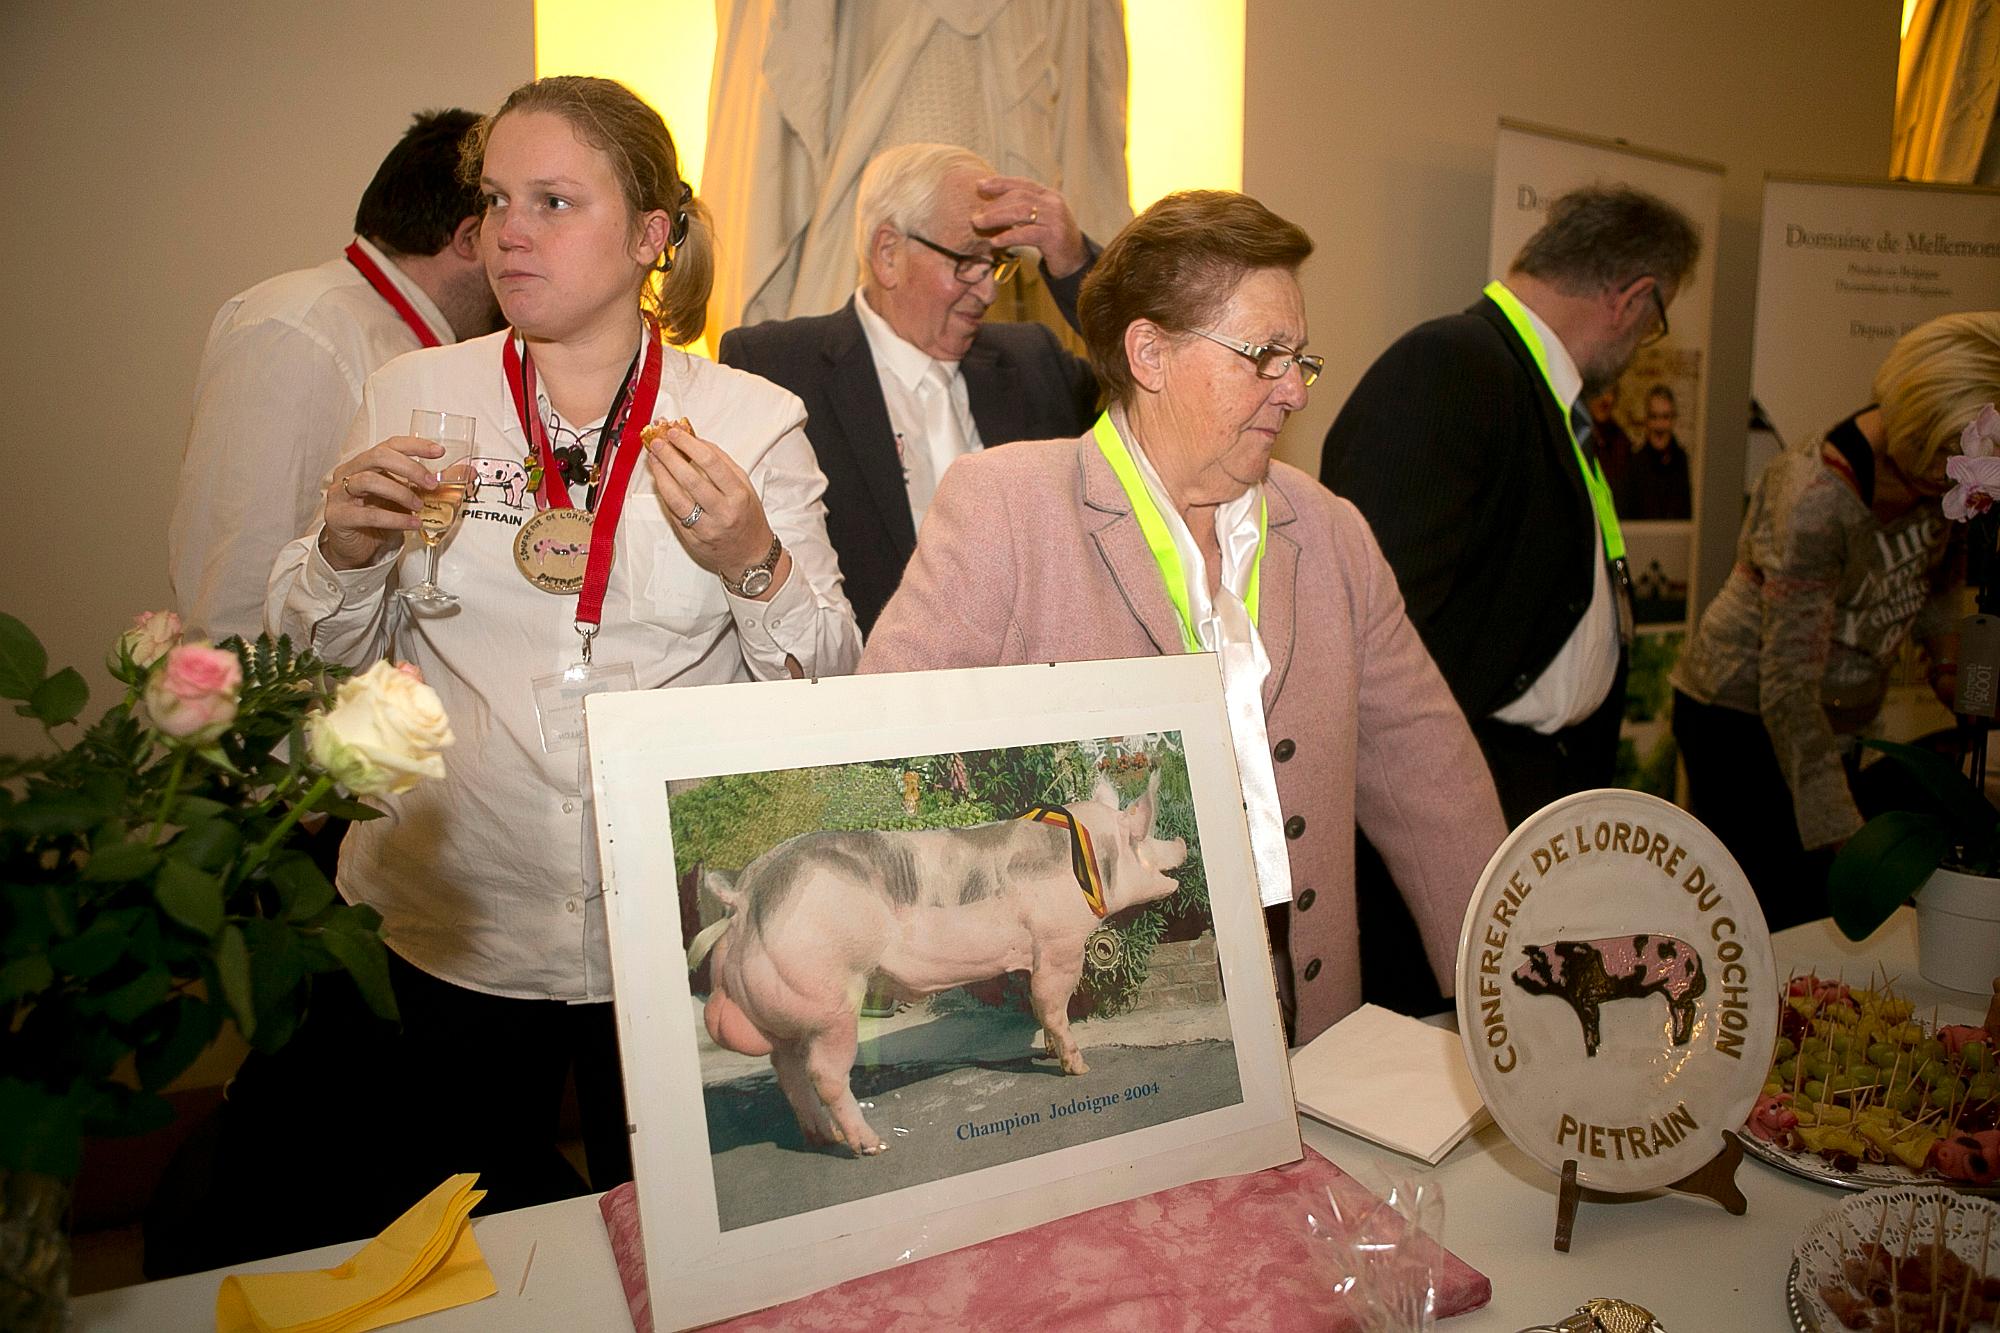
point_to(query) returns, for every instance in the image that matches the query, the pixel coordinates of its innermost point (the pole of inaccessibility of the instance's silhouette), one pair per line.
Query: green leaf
(120, 862)
(50, 814)
(116, 1112)
(23, 660)
(60, 698)
(39, 1131)
(302, 887)
(25, 976)
(209, 845)
(344, 807)
(232, 968)
(1971, 814)
(196, 809)
(191, 897)
(195, 1024)
(367, 961)
(143, 992)
(1881, 866)
(100, 945)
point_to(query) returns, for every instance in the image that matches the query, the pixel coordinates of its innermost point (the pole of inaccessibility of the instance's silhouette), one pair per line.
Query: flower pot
(1958, 931)
(34, 1251)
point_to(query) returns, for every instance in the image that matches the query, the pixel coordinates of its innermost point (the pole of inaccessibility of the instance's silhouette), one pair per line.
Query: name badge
(559, 700)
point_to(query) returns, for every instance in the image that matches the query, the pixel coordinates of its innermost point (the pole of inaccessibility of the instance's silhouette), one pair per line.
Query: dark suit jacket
(1455, 451)
(1021, 382)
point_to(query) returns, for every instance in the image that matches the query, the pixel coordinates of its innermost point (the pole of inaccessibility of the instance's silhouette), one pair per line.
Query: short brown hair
(1177, 264)
(1604, 237)
(1935, 380)
(612, 119)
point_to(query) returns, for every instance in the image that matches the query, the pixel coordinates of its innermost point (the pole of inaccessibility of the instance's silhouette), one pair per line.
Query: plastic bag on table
(1385, 1256)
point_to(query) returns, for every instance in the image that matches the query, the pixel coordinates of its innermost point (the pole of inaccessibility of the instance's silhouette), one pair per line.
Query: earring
(665, 263)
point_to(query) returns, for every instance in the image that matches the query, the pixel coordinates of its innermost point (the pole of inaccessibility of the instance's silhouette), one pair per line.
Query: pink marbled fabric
(1218, 1254)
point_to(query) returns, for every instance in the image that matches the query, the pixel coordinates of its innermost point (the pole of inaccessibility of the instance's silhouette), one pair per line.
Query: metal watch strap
(741, 585)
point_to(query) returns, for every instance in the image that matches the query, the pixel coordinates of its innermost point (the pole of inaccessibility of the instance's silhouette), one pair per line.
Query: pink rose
(152, 633)
(191, 696)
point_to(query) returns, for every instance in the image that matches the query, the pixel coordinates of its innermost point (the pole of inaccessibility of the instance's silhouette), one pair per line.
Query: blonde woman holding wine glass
(638, 518)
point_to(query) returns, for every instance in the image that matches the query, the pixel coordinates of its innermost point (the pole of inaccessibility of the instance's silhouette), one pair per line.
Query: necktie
(943, 440)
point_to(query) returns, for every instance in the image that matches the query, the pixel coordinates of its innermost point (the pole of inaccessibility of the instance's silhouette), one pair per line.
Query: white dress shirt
(280, 380)
(901, 367)
(1573, 685)
(480, 877)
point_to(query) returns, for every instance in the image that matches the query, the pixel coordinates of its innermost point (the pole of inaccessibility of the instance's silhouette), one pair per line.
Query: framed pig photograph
(904, 963)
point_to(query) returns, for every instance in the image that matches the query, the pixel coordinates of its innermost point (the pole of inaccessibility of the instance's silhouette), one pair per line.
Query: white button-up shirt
(900, 366)
(1573, 685)
(481, 878)
(280, 379)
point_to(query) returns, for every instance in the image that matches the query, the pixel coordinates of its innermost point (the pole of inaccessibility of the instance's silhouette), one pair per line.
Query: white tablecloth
(1693, 1265)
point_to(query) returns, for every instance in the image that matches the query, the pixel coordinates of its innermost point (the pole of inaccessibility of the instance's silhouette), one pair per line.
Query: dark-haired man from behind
(282, 371)
(1468, 447)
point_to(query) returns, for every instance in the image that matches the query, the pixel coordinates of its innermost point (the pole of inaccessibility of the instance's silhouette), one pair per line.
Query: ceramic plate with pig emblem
(1617, 997)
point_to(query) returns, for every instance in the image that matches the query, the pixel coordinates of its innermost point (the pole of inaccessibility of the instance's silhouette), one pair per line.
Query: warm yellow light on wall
(663, 50)
(1184, 111)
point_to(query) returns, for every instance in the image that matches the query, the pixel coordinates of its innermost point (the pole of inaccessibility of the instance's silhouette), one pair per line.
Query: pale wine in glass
(442, 499)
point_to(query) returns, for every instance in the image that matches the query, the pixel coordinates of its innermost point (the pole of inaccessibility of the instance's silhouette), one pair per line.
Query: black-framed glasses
(1658, 335)
(970, 269)
(1272, 360)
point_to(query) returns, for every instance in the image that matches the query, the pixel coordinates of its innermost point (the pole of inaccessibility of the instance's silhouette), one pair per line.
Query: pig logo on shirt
(810, 920)
(1591, 973)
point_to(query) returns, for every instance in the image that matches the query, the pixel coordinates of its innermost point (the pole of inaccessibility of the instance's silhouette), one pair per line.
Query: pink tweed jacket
(1031, 553)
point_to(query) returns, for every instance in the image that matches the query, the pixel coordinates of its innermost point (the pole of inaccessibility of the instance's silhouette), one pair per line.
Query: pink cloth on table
(1217, 1254)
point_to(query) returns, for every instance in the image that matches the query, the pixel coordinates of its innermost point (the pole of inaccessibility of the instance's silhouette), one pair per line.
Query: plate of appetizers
(1908, 1257)
(1862, 1093)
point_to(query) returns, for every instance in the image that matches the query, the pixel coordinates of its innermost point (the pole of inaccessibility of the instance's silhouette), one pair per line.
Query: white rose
(382, 734)
(152, 633)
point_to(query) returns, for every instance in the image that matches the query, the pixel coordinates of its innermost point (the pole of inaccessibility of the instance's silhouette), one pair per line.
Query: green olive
(1814, 1090)
(1882, 1054)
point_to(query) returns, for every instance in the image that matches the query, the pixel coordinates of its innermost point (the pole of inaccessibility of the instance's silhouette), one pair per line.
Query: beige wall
(161, 156)
(1371, 124)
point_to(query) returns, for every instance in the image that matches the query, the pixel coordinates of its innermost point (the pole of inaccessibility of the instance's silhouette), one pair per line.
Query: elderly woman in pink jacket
(1170, 529)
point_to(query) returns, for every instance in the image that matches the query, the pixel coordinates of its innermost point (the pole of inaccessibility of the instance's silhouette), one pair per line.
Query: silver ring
(693, 517)
(1034, 215)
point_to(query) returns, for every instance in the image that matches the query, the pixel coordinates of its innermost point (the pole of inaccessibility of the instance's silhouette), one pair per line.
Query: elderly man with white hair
(909, 374)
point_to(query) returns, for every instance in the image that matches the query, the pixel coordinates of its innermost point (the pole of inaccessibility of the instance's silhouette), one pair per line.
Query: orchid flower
(1975, 469)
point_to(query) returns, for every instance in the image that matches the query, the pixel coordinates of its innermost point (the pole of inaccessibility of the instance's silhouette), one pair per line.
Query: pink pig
(812, 918)
(500, 472)
(1587, 973)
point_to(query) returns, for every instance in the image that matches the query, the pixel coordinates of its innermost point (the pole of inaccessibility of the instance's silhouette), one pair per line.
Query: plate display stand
(1715, 1180)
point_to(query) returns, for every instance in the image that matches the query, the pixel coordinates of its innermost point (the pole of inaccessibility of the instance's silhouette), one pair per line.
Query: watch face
(755, 582)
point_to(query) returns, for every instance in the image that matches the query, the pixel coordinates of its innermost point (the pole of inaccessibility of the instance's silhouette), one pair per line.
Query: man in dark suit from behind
(1468, 447)
(909, 375)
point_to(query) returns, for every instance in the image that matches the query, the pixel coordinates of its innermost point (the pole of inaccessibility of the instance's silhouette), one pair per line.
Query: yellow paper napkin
(426, 1261)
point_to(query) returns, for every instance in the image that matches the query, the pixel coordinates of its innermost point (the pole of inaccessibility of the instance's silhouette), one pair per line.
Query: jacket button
(1307, 899)
(1284, 750)
(1521, 682)
(1312, 969)
(1295, 826)
(1578, 607)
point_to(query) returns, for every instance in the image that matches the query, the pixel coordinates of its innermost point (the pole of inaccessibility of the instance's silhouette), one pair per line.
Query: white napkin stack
(1390, 1079)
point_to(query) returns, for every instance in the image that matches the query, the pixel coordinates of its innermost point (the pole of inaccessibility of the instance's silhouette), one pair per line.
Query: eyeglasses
(970, 269)
(1273, 360)
(1658, 335)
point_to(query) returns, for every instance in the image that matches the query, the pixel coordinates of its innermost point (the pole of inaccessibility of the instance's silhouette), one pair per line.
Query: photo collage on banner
(1652, 424)
(1845, 268)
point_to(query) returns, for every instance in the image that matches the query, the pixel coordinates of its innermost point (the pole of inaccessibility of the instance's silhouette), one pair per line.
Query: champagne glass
(442, 499)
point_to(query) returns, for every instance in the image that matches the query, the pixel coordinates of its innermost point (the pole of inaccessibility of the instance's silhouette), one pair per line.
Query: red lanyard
(554, 494)
(386, 289)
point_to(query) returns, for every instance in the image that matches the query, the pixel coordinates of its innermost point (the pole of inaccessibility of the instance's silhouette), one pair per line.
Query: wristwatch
(757, 578)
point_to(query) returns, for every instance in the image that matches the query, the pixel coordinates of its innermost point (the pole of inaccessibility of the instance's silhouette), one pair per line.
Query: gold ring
(1034, 215)
(345, 485)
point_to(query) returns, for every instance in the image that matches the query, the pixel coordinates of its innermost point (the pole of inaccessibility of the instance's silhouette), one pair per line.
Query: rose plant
(149, 885)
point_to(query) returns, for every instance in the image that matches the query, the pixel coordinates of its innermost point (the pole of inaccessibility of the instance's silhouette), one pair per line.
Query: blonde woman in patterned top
(1842, 556)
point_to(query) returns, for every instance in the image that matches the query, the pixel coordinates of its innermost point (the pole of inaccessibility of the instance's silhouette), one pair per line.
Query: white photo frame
(706, 1261)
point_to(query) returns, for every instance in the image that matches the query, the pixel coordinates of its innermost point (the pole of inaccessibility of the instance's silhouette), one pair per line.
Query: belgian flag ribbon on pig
(1082, 858)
